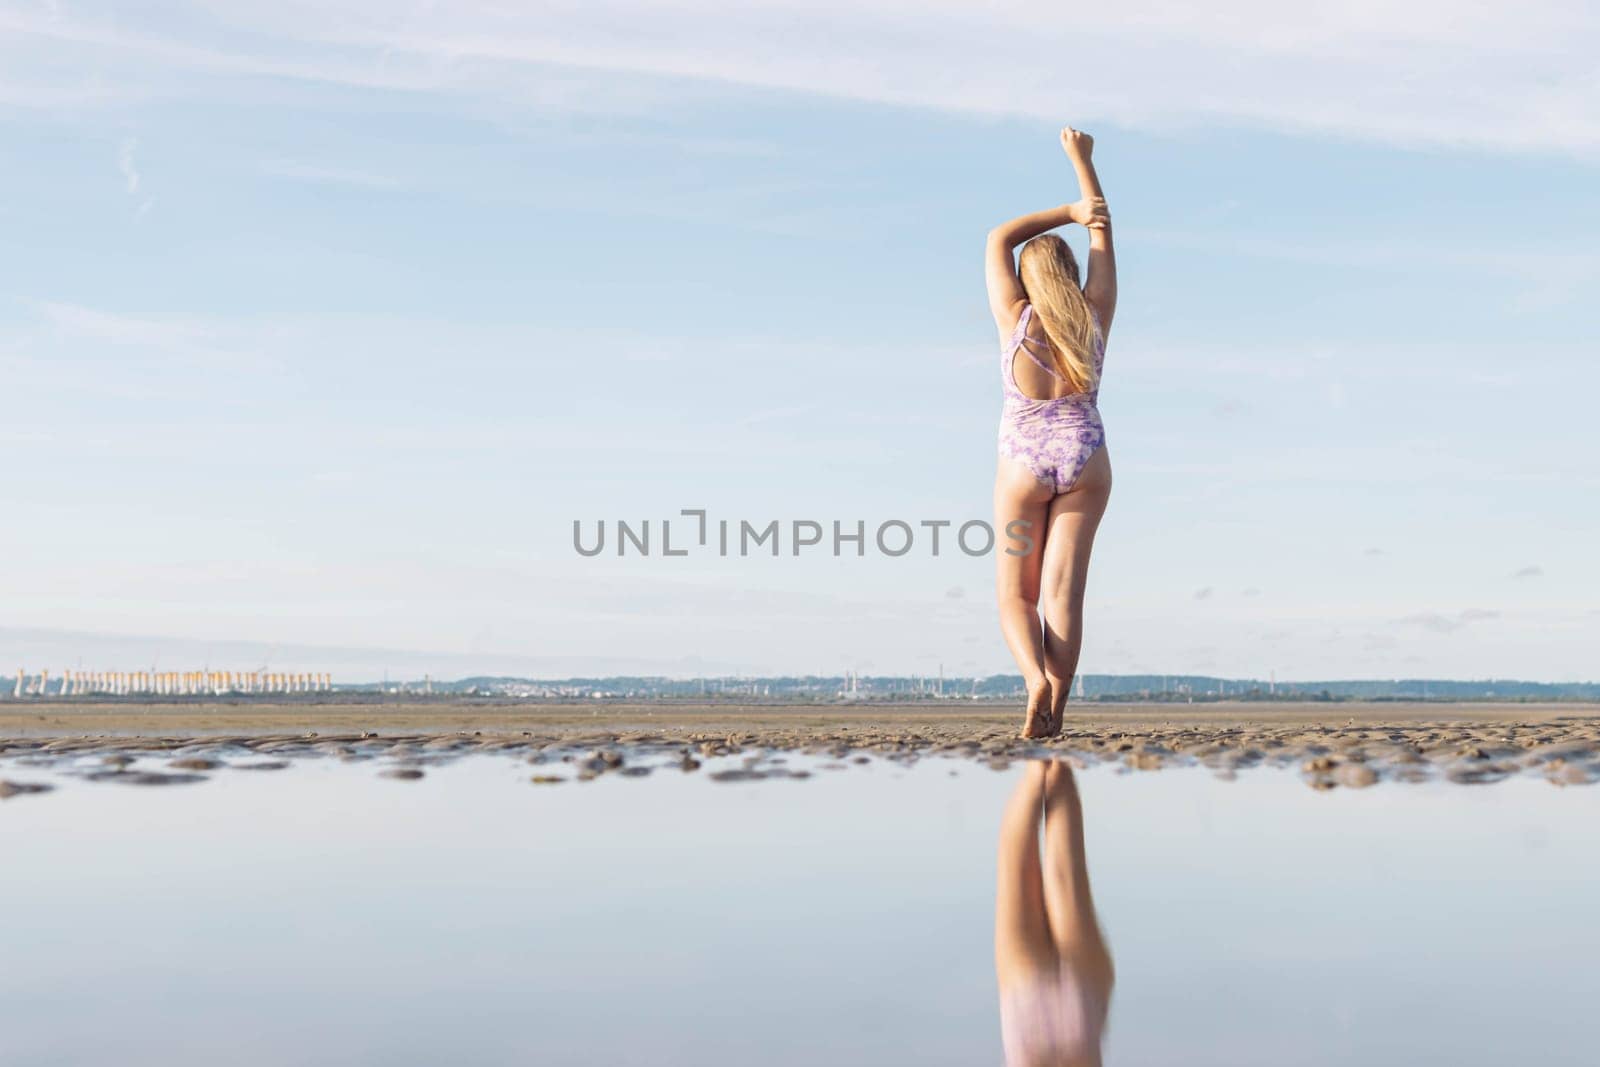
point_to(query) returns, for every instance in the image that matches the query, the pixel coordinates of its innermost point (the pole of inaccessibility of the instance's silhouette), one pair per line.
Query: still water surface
(323, 915)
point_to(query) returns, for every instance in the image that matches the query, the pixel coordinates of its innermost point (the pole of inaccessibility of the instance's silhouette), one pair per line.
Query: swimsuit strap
(1020, 342)
(1021, 331)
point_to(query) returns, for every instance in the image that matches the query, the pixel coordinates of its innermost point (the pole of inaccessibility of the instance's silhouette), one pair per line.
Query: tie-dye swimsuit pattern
(1054, 439)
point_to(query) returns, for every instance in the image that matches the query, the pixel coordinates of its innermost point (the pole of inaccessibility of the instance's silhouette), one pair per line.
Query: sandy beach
(1347, 744)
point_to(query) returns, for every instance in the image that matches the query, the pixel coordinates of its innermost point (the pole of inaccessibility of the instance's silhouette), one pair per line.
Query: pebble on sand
(404, 774)
(1475, 772)
(1564, 773)
(195, 763)
(1355, 775)
(737, 776)
(9, 789)
(145, 777)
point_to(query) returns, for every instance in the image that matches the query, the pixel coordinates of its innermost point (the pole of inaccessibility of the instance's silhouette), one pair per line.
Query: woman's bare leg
(1074, 516)
(1019, 496)
(1022, 942)
(1069, 905)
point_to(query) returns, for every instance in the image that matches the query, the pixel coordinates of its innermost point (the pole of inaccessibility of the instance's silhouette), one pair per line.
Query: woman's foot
(1036, 722)
(1057, 713)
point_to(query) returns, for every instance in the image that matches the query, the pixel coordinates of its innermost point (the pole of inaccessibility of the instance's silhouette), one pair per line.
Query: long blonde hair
(1049, 274)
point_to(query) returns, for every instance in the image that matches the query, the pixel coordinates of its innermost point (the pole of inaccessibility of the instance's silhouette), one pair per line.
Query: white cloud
(77, 321)
(126, 166)
(1497, 75)
(1444, 624)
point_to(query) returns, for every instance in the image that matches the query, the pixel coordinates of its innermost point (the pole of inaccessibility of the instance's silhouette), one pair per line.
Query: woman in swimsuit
(1054, 476)
(1054, 969)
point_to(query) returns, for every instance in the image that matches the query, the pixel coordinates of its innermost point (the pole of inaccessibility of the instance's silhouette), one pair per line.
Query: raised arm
(1006, 295)
(1100, 283)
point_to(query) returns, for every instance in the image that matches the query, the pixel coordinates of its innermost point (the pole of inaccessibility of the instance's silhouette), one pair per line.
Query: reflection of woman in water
(1051, 960)
(1054, 476)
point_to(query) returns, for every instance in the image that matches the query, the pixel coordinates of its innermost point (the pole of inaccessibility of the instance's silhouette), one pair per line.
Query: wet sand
(1346, 745)
(28, 718)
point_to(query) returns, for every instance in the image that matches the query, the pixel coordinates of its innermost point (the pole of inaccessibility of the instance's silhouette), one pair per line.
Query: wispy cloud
(75, 320)
(1530, 571)
(1539, 278)
(1412, 73)
(128, 167)
(125, 164)
(61, 336)
(1432, 621)
(1439, 623)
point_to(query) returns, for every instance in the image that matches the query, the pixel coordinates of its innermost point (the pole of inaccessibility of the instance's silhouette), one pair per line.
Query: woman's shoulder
(1022, 311)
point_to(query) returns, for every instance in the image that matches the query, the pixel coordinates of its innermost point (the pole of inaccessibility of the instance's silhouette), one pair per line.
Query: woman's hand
(1078, 145)
(1091, 212)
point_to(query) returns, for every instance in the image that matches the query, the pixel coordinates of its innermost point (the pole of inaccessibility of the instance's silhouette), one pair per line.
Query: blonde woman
(1054, 476)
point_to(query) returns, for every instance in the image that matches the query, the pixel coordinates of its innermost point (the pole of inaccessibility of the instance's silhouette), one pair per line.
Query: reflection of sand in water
(1053, 968)
(1346, 746)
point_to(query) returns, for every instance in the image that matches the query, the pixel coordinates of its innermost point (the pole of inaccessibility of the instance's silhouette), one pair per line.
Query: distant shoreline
(779, 690)
(372, 698)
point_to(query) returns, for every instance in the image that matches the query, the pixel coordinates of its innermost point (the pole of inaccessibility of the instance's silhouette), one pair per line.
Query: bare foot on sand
(1036, 723)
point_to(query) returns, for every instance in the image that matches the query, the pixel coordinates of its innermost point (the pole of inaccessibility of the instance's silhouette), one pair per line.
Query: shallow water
(322, 914)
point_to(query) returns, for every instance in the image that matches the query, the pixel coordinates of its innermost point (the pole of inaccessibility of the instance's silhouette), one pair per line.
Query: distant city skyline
(51, 652)
(321, 325)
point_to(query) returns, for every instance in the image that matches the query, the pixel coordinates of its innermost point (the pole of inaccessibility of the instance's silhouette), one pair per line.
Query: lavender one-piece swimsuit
(1055, 1018)
(1054, 439)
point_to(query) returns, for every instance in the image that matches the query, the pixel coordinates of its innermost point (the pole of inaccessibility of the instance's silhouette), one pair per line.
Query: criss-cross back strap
(1021, 342)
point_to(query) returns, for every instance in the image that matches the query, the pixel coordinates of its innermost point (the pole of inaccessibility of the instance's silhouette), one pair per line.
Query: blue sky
(319, 326)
